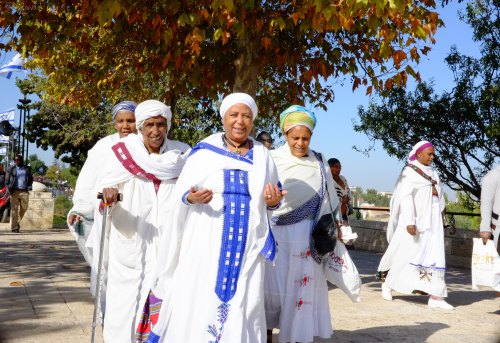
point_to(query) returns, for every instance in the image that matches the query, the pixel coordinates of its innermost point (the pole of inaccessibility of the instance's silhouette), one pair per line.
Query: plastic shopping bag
(340, 270)
(485, 266)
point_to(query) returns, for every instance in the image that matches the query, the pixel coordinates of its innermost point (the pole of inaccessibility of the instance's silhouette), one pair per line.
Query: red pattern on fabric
(125, 158)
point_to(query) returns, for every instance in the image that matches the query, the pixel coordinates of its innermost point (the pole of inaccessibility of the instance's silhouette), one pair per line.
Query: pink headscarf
(420, 146)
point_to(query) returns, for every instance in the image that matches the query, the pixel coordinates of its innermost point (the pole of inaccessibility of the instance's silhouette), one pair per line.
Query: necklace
(236, 147)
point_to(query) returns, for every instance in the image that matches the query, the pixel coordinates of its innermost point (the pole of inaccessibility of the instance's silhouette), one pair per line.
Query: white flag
(6, 115)
(15, 65)
(3, 150)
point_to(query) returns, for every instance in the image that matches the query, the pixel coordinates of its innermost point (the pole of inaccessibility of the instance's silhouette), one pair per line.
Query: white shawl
(412, 184)
(166, 165)
(301, 177)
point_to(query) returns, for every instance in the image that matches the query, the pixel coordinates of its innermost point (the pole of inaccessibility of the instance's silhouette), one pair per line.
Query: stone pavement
(44, 297)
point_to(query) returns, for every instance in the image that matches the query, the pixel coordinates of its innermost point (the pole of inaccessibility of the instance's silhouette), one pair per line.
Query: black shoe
(16, 229)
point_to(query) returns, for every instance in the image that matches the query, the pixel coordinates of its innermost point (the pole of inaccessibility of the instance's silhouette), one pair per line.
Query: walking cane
(97, 301)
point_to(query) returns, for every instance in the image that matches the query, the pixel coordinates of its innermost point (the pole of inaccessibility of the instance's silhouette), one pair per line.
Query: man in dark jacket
(19, 181)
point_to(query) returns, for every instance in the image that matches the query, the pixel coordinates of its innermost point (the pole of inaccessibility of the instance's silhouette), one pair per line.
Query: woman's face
(426, 156)
(298, 139)
(238, 123)
(336, 169)
(154, 131)
(125, 123)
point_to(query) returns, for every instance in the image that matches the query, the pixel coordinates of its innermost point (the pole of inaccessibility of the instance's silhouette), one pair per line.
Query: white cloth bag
(340, 270)
(485, 265)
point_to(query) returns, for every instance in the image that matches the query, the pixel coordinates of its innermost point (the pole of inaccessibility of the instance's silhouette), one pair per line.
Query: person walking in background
(19, 180)
(415, 257)
(490, 206)
(296, 291)
(81, 216)
(342, 189)
(266, 139)
(210, 276)
(144, 168)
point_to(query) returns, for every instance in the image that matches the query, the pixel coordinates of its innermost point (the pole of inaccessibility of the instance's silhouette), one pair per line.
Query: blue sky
(334, 135)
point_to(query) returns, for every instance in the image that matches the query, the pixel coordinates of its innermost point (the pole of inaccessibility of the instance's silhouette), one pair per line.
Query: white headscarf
(238, 98)
(152, 108)
(422, 145)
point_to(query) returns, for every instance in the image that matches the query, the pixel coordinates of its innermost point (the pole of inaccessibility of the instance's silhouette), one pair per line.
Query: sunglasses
(268, 140)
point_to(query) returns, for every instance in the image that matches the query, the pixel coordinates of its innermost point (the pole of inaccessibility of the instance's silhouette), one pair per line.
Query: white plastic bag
(485, 266)
(340, 270)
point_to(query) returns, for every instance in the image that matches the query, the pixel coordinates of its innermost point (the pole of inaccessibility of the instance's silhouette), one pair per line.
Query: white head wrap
(238, 98)
(152, 108)
(422, 145)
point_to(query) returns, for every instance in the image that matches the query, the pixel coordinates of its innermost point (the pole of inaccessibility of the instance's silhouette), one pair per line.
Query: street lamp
(24, 110)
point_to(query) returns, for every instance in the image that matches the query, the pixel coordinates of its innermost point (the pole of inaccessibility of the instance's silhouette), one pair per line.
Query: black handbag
(324, 232)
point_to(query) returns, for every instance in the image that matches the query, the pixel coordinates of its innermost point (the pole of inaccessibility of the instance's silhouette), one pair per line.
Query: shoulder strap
(421, 172)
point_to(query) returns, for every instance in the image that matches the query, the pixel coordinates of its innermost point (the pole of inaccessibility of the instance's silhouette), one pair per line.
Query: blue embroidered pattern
(269, 249)
(223, 313)
(248, 158)
(307, 210)
(234, 233)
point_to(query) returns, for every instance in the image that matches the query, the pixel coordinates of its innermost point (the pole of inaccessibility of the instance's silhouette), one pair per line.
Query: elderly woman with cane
(296, 291)
(144, 168)
(415, 258)
(81, 216)
(210, 276)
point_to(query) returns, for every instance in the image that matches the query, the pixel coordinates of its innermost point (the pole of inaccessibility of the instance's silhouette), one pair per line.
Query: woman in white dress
(296, 290)
(144, 168)
(415, 258)
(81, 216)
(210, 277)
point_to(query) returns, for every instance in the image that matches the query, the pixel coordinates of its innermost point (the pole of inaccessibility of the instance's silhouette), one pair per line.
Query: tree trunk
(246, 66)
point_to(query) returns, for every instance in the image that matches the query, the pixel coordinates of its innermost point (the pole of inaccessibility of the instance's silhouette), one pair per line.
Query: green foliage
(371, 196)
(35, 163)
(464, 204)
(462, 124)
(62, 205)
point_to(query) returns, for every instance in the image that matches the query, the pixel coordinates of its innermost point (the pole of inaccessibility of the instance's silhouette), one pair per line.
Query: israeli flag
(3, 150)
(15, 65)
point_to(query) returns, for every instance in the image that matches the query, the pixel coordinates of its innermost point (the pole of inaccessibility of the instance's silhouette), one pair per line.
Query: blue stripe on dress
(234, 233)
(248, 158)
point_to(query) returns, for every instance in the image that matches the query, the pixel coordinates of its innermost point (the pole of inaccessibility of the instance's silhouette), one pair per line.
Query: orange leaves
(398, 56)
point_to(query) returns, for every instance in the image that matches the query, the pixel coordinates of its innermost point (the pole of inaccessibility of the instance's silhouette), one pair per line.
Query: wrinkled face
(298, 139)
(336, 169)
(154, 131)
(125, 123)
(426, 156)
(238, 122)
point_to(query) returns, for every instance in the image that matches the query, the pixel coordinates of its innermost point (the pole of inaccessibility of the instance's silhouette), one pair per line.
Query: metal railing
(450, 221)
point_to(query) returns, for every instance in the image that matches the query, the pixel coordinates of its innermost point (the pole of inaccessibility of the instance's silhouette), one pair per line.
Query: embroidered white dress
(85, 195)
(296, 296)
(416, 262)
(137, 224)
(212, 286)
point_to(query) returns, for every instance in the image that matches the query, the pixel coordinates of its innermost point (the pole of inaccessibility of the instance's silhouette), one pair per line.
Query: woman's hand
(203, 196)
(412, 230)
(485, 235)
(273, 195)
(109, 196)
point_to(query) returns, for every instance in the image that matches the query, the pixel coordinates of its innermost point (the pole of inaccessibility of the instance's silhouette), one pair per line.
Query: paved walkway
(44, 298)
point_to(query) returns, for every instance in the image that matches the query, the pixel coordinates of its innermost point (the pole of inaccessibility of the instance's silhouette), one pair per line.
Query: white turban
(152, 108)
(238, 98)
